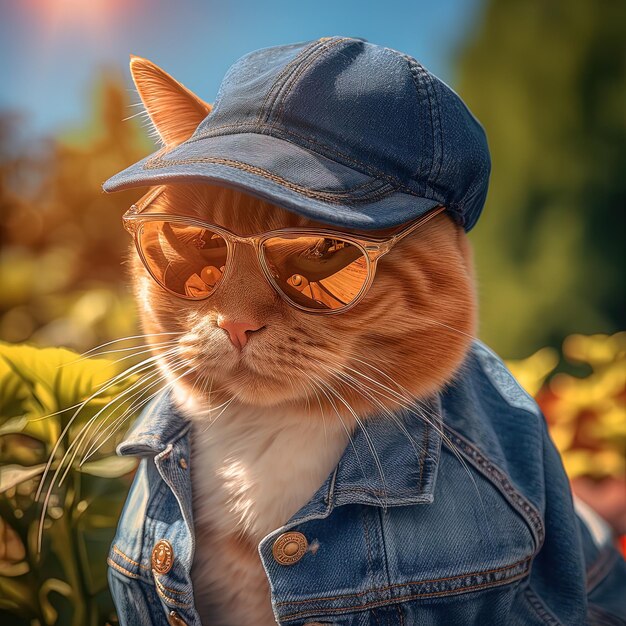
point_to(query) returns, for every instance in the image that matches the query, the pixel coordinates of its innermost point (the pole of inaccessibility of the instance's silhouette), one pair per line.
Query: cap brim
(283, 173)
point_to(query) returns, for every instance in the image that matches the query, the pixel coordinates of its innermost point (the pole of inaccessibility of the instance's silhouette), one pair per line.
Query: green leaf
(110, 467)
(48, 586)
(17, 594)
(12, 475)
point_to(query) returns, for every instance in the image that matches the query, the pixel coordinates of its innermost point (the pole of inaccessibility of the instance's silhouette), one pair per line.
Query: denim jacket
(473, 523)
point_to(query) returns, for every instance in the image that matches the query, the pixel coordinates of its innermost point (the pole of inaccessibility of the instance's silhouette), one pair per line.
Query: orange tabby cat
(275, 391)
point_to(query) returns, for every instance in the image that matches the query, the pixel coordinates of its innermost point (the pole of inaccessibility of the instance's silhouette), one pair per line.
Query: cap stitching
(277, 86)
(415, 70)
(293, 78)
(289, 81)
(158, 162)
(368, 169)
(435, 178)
(436, 126)
(329, 197)
(428, 81)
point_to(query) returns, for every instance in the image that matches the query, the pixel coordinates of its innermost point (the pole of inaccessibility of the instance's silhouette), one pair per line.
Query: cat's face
(409, 332)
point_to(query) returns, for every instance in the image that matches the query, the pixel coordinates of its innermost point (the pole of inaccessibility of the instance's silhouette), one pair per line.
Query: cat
(272, 418)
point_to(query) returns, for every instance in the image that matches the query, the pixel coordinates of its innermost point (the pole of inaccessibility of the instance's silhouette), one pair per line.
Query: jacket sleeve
(605, 569)
(596, 582)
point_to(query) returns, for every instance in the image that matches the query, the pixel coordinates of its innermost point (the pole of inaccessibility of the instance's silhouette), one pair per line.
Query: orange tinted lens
(188, 260)
(317, 272)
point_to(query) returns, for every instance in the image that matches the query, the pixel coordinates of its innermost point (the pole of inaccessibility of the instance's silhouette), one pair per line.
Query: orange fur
(250, 470)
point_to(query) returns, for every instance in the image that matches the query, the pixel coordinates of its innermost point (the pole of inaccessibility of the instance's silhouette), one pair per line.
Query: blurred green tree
(548, 82)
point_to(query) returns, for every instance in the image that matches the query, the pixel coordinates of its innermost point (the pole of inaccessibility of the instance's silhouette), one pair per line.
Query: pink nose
(238, 331)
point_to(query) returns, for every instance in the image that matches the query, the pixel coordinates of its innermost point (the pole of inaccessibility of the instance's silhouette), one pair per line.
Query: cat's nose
(238, 331)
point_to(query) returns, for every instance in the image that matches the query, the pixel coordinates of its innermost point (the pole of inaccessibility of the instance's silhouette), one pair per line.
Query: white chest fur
(251, 470)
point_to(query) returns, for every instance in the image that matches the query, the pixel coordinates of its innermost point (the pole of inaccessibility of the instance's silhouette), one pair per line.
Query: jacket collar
(407, 450)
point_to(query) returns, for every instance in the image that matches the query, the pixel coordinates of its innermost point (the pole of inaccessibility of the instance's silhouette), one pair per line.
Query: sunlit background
(547, 80)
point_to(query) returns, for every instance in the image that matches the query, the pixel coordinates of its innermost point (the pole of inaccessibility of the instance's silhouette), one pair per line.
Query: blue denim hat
(337, 129)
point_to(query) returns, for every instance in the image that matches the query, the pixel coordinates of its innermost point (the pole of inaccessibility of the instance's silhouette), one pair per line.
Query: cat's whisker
(128, 338)
(78, 404)
(381, 372)
(225, 405)
(319, 401)
(133, 370)
(102, 388)
(146, 347)
(439, 323)
(367, 393)
(404, 399)
(165, 348)
(143, 387)
(82, 435)
(368, 439)
(75, 446)
(210, 391)
(323, 415)
(131, 410)
(421, 408)
(321, 384)
(57, 471)
(313, 380)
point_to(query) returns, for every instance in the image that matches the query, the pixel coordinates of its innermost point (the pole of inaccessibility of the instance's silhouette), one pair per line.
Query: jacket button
(289, 548)
(174, 619)
(162, 556)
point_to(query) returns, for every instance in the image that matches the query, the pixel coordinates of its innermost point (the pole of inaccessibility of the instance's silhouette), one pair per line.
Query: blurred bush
(586, 415)
(40, 392)
(61, 237)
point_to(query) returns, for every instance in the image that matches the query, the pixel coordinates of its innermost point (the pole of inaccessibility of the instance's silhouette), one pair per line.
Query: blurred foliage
(62, 241)
(548, 82)
(40, 390)
(586, 415)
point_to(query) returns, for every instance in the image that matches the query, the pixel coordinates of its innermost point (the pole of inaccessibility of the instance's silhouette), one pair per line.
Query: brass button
(289, 548)
(162, 556)
(174, 619)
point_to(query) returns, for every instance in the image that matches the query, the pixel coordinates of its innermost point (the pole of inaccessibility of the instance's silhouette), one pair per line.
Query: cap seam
(276, 132)
(277, 85)
(437, 130)
(158, 156)
(458, 206)
(329, 197)
(416, 70)
(297, 73)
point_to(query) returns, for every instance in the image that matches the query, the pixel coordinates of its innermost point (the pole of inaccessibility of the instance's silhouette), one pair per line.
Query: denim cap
(337, 129)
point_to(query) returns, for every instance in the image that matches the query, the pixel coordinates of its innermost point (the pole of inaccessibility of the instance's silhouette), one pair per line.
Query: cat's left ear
(174, 111)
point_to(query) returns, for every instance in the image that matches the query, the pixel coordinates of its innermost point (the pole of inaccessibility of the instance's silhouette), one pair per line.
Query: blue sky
(50, 50)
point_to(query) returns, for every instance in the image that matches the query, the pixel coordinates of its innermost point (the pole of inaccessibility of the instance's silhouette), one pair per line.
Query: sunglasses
(315, 270)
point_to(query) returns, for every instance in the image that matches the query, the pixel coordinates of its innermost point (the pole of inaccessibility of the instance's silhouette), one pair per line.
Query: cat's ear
(174, 111)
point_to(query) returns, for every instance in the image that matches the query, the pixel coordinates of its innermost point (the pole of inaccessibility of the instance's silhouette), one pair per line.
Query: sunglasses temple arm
(415, 225)
(146, 200)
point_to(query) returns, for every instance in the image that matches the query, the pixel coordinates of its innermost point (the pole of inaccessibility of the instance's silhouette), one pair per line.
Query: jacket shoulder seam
(499, 478)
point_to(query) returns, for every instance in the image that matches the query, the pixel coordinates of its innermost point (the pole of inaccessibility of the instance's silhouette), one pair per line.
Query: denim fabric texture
(474, 523)
(337, 129)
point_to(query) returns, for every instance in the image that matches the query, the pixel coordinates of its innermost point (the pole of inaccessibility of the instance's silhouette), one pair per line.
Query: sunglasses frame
(373, 248)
